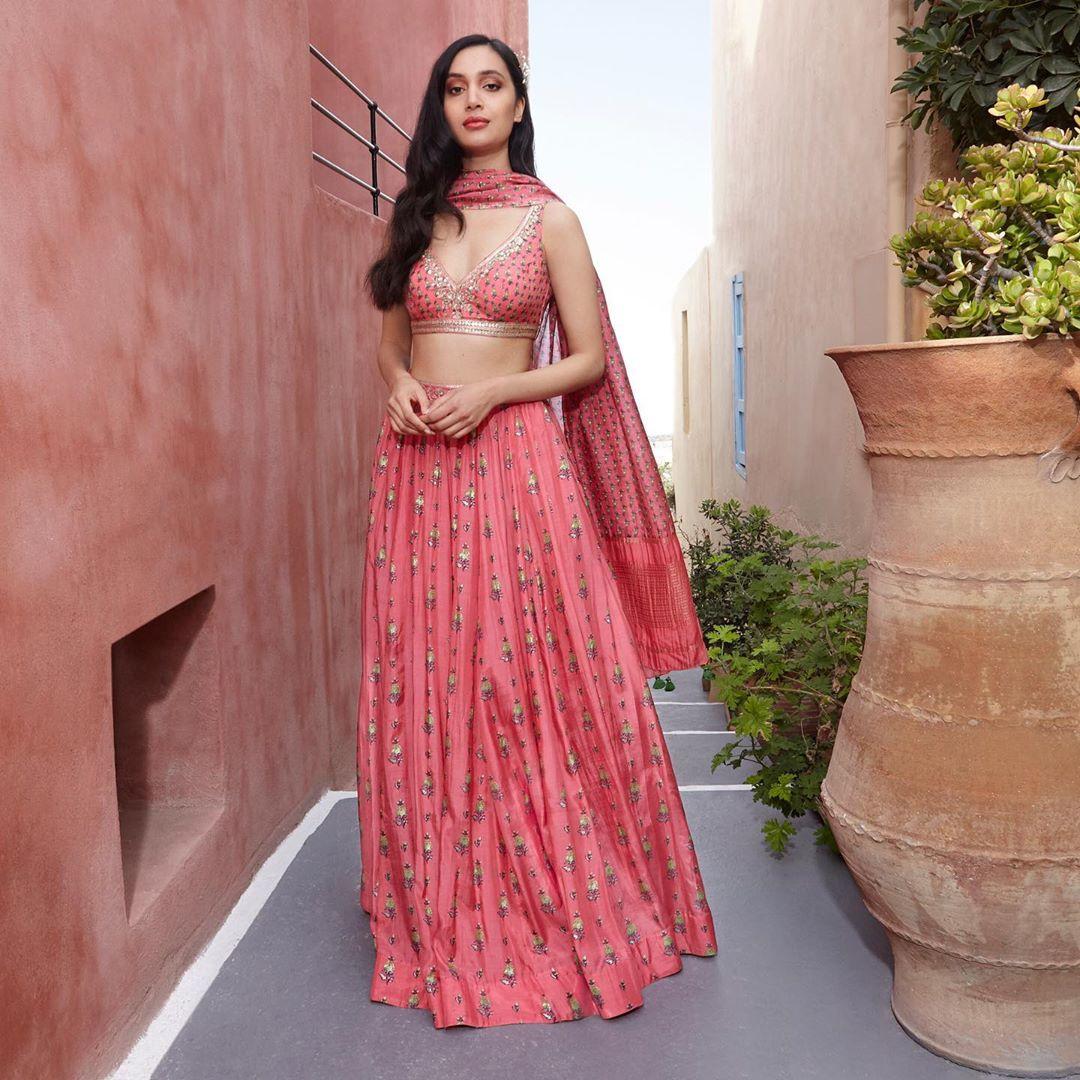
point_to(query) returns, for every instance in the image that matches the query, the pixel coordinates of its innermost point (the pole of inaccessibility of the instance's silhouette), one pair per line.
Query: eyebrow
(486, 71)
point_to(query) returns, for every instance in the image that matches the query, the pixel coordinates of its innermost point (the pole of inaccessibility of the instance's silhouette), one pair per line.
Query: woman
(525, 853)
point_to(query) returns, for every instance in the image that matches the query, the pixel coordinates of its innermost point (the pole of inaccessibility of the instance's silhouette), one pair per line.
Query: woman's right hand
(401, 410)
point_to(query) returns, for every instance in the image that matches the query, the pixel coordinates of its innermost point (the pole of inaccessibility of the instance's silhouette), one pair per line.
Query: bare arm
(392, 357)
(573, 281)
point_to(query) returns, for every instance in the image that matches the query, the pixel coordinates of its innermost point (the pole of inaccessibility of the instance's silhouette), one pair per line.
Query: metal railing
(372, 142)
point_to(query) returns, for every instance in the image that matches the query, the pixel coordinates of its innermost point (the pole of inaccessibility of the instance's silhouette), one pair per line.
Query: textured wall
(189, 401)
(800, 208)
(697, 390)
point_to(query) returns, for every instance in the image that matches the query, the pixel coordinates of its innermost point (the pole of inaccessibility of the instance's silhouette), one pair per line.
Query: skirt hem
(501, 1017)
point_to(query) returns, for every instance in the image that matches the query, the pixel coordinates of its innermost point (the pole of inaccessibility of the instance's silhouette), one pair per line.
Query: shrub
(968, 48)
(786, 641)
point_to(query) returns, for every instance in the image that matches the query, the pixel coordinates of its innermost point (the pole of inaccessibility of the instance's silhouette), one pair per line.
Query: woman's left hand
(461, 410)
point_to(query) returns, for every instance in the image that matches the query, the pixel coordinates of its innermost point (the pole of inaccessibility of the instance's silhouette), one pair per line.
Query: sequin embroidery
(503, 295)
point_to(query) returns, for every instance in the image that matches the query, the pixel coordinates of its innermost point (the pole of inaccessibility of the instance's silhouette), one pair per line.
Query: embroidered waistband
(475, 326)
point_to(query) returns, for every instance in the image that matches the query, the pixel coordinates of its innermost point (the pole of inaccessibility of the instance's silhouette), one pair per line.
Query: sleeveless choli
(524, 847)
(503, 295)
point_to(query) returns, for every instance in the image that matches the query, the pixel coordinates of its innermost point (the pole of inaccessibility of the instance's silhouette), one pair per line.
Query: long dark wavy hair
(432, 164)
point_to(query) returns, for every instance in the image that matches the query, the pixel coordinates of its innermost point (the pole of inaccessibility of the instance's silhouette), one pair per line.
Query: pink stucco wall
(188, 407)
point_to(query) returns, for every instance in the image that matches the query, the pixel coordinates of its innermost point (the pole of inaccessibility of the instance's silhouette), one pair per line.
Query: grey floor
(800, 988)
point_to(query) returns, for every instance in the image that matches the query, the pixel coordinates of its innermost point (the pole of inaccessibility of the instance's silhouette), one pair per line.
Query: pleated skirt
(524, 848)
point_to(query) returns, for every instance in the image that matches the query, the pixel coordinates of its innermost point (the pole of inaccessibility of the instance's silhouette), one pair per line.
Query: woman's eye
(487, 86)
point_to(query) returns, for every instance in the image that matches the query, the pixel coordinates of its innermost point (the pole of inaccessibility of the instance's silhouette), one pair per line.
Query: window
(738, 395)
(684, 342)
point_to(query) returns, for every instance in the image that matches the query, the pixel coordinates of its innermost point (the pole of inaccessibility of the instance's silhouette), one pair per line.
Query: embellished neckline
(516, 235)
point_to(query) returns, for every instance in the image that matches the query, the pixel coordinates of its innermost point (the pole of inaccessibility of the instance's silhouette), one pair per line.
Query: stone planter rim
(837, 351)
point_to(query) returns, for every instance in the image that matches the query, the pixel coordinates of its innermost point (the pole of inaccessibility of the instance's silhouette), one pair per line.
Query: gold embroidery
(510, 246)
(454, 296)
(475, 326)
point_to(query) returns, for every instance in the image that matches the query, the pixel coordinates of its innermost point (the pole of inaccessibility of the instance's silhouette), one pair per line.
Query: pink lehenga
(525, 851)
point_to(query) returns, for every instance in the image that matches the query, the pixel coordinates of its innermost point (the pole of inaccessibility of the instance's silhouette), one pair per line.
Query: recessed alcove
(167, 744)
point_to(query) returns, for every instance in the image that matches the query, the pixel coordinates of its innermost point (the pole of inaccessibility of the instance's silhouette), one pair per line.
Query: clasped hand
(454, 414)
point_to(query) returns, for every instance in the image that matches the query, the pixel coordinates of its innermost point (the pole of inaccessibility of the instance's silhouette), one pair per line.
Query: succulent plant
(999, 248)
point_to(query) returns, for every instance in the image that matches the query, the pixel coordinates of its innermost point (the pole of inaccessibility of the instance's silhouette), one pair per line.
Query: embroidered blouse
(503, 295)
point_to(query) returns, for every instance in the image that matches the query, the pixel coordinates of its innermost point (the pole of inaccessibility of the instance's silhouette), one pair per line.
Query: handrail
(370, 142)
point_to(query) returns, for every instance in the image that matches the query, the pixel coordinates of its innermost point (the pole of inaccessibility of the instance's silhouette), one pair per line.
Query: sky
(621, 96)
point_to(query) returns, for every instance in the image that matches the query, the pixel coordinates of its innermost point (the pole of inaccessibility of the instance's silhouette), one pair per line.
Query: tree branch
(1027, 136)
(1001, 271)
(987, 269)
(1036, 225)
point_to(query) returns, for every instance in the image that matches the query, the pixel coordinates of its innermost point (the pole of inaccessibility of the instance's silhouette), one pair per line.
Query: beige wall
(695, 443)
(801, 104)
(189, 407)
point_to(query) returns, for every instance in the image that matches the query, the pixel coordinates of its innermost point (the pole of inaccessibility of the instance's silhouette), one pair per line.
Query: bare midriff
(463, 358)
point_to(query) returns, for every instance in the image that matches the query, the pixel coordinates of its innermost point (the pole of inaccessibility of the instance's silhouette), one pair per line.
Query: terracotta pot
(954, 785)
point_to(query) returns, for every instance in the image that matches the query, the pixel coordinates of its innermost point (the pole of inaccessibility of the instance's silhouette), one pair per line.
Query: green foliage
(786, 637)
(721, 598)
(999, 250)
(967, 49)
(664, 468)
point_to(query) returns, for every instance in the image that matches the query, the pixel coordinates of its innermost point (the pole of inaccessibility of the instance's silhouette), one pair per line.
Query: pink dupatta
(614, 464)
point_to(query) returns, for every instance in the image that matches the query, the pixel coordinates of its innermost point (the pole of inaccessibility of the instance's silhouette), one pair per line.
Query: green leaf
(777, 833)
(781, 789)
(823, 835)
(754, 719)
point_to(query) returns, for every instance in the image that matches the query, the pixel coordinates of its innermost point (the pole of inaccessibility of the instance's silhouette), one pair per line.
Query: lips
(475, 123)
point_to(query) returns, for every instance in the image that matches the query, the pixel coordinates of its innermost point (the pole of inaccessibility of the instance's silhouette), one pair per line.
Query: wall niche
(167, 744)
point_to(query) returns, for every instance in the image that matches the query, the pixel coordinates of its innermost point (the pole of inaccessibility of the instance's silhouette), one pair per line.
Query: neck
(494, 163)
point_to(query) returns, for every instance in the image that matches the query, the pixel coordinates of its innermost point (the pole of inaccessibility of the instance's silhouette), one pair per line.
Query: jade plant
(999, 248)
(787, 635)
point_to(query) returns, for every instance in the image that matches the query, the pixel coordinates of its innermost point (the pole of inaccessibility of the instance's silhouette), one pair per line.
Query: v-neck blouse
(503, 295)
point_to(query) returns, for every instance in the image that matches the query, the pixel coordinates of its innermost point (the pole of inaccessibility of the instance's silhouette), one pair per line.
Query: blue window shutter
(738, 395)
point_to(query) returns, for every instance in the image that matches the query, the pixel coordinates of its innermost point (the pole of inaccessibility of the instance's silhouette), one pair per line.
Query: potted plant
(952, 785)
(784, 627)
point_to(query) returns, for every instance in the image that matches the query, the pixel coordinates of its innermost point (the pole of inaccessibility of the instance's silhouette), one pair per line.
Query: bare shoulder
(563, 237)
(566, 251)
(560, 220)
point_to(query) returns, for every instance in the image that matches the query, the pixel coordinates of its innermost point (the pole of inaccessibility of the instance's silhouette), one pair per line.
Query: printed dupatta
(614, 463)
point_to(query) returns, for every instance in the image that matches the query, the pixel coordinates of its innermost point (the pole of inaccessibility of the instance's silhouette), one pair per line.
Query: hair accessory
(523, 60)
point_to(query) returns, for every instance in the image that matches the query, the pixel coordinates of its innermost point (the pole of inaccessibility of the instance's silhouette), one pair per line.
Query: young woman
(526, 857)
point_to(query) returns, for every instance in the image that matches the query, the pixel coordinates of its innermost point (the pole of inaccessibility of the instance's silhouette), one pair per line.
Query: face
(479, 88)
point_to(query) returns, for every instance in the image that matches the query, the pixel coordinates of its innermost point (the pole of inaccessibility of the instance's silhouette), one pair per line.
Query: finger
(415, 423)
(412, 423)
(418, 402)
(435, 413)
(415, 427)
(395, 419)
(444, 419)
(442, 406)
(458, 429)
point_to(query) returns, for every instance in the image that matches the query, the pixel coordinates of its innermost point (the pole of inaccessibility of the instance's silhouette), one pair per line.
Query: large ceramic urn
(954, 785)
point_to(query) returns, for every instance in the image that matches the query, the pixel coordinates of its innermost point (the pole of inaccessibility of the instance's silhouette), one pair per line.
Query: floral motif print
(526, 856)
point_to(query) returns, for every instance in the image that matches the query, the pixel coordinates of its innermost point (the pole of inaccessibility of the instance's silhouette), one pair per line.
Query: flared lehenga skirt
(525, 852)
